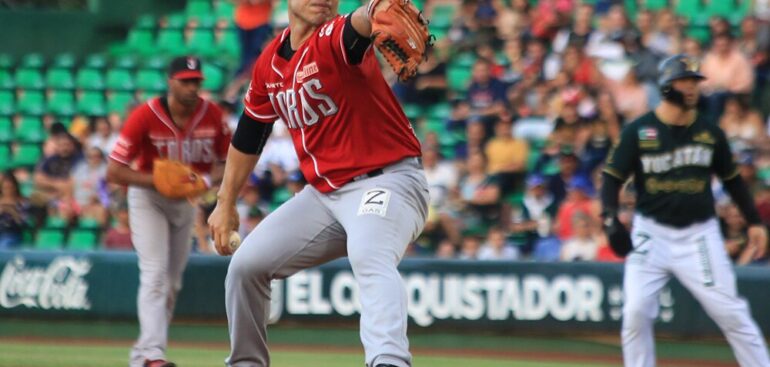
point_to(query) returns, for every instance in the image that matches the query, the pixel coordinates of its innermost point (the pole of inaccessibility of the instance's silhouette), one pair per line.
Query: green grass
(24, 354)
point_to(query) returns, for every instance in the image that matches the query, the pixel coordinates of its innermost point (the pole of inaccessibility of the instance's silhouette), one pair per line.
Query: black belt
(379, 171)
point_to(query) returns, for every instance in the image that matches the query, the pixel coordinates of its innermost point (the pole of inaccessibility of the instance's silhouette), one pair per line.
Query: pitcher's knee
(366, 260)
(243, 268)
(637, 316)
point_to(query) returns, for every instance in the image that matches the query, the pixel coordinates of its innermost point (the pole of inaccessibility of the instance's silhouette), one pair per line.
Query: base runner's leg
(712, 283)
(643, 279)
(300, 234)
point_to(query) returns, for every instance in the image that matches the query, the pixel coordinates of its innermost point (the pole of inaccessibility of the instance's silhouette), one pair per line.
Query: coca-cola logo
(60, 286)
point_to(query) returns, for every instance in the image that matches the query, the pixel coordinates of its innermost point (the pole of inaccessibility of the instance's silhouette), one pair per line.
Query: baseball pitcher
(672, 153)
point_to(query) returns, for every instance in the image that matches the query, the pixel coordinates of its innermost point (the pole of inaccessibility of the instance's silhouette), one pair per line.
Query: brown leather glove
(176, 180)
(401, 34)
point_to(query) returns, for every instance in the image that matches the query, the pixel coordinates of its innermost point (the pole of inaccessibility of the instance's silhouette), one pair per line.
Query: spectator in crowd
(569, 167)
(507, 157)
(496, 247)
(479, 192)
(118, 236)
(645, 62)
(103, 136)
(754, 41)
(88, 178)
(742, 125)
(252, 20)
(445, 250)
(718, 26)
(727, 71)
(579, 34)
(53, 176)
(580, 200)
(692, 48)
(469, 250)
(429, 86)
(486, 94)
(632, 97)
(666, 37)
(584, 243)
(442, 177)
(538, 211)
(13, 213)
(735, 232)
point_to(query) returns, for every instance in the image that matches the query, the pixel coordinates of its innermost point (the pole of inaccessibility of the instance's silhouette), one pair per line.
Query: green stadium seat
(61, 102)
(197, 8)
(64, 61)
(466, 59)
(119, 102)
(412, 111)
(26, 188)
(120, 80)
(95, 61)
(139, 41)
(6, 134)
(442, 16)
(5, 157)
(32, 61)
(201, 43)
(458, 78)
(229, 45)
(82, 240)
(6, 80)
(7, 103)
(171, 42)
(145, 21)
(30, 130)
(700, 33)
(655, 4)
(206, 21)
(225, 9)
(55, 222)
(59, 79)
(31, 103)
(26, 155)
(440, 111)
(29, 79)
(88, 224)
(91, 79)
(214, 77)
(49, 239)
(6, 61)
(348, 6)
(150, 80)
(92, 103)
(125, 62)
(175, 21)
(156, 62)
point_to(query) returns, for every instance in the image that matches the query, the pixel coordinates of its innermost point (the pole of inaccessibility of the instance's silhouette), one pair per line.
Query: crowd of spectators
(514, 166)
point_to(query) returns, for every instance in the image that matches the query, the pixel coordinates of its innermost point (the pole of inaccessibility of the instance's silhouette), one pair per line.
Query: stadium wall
(504, 296)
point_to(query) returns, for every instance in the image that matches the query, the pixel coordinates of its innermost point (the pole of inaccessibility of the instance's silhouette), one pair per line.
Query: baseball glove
(618, 236)
(176, 180)
(401, 34)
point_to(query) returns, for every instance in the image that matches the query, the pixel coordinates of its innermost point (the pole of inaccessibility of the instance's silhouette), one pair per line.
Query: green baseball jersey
(672, 167)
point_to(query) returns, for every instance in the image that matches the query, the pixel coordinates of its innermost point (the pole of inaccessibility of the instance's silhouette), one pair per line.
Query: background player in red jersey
(367, 197)
(181, 127)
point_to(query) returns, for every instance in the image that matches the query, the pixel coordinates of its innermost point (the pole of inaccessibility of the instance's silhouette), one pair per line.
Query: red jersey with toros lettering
(149, 133)
(343, 119)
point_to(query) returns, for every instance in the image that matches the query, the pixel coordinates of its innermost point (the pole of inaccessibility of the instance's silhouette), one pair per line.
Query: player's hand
(758, 240)
(222, 221)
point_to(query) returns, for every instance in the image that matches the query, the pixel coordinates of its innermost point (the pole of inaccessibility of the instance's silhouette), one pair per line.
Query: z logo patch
(374, 201)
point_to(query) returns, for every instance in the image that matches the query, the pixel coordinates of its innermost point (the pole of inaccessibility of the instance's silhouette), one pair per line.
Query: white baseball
(235, 241)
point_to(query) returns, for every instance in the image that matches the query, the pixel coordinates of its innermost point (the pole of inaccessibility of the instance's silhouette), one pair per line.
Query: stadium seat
(32, 61)
(214, 77)
(119, 102)
(175, 21)
(29, 79)
(55, 222)
(61, 102)
(157, 62)
(171, 42)
(95, 61)
(49, 239)
(26, 155)
(412, 111)
(146, 22)
(196, 8)
(5, 156)
(125, 62)
(120, 80)
(201, 43)
(7, 103)
(88, 224)
(206, 21)
(82, 240)
(440, 111)
(91, 103)
(348, 6)
(31, 103)
(225, 9)
(150, 80)
(30, 129)
(59, 78)
(6, 61)
(6, 80)
(655, 4)
(139, 41)
(26, 188)
(90, 79)
(229, 45)
(64, 61)
(442, 16)
(458, 78)
(6, 132)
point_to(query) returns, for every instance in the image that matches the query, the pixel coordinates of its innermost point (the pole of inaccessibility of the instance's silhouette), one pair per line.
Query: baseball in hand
(233, 243)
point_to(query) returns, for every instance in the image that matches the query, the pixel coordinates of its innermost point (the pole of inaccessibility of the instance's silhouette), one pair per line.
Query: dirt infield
(513, 355)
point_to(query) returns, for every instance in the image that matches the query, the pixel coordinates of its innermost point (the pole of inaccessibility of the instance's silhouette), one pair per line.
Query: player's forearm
(360, 21)
(121, 174)
(610, 195)
(742, 198)
(237, 169)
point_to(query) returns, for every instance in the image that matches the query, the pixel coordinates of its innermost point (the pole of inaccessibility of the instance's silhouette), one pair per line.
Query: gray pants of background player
(161, 230)
(696, 256)
(371, 221)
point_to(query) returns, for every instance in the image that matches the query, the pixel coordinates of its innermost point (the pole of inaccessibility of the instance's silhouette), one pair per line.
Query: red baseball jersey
(150, 133)
(344, 119)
